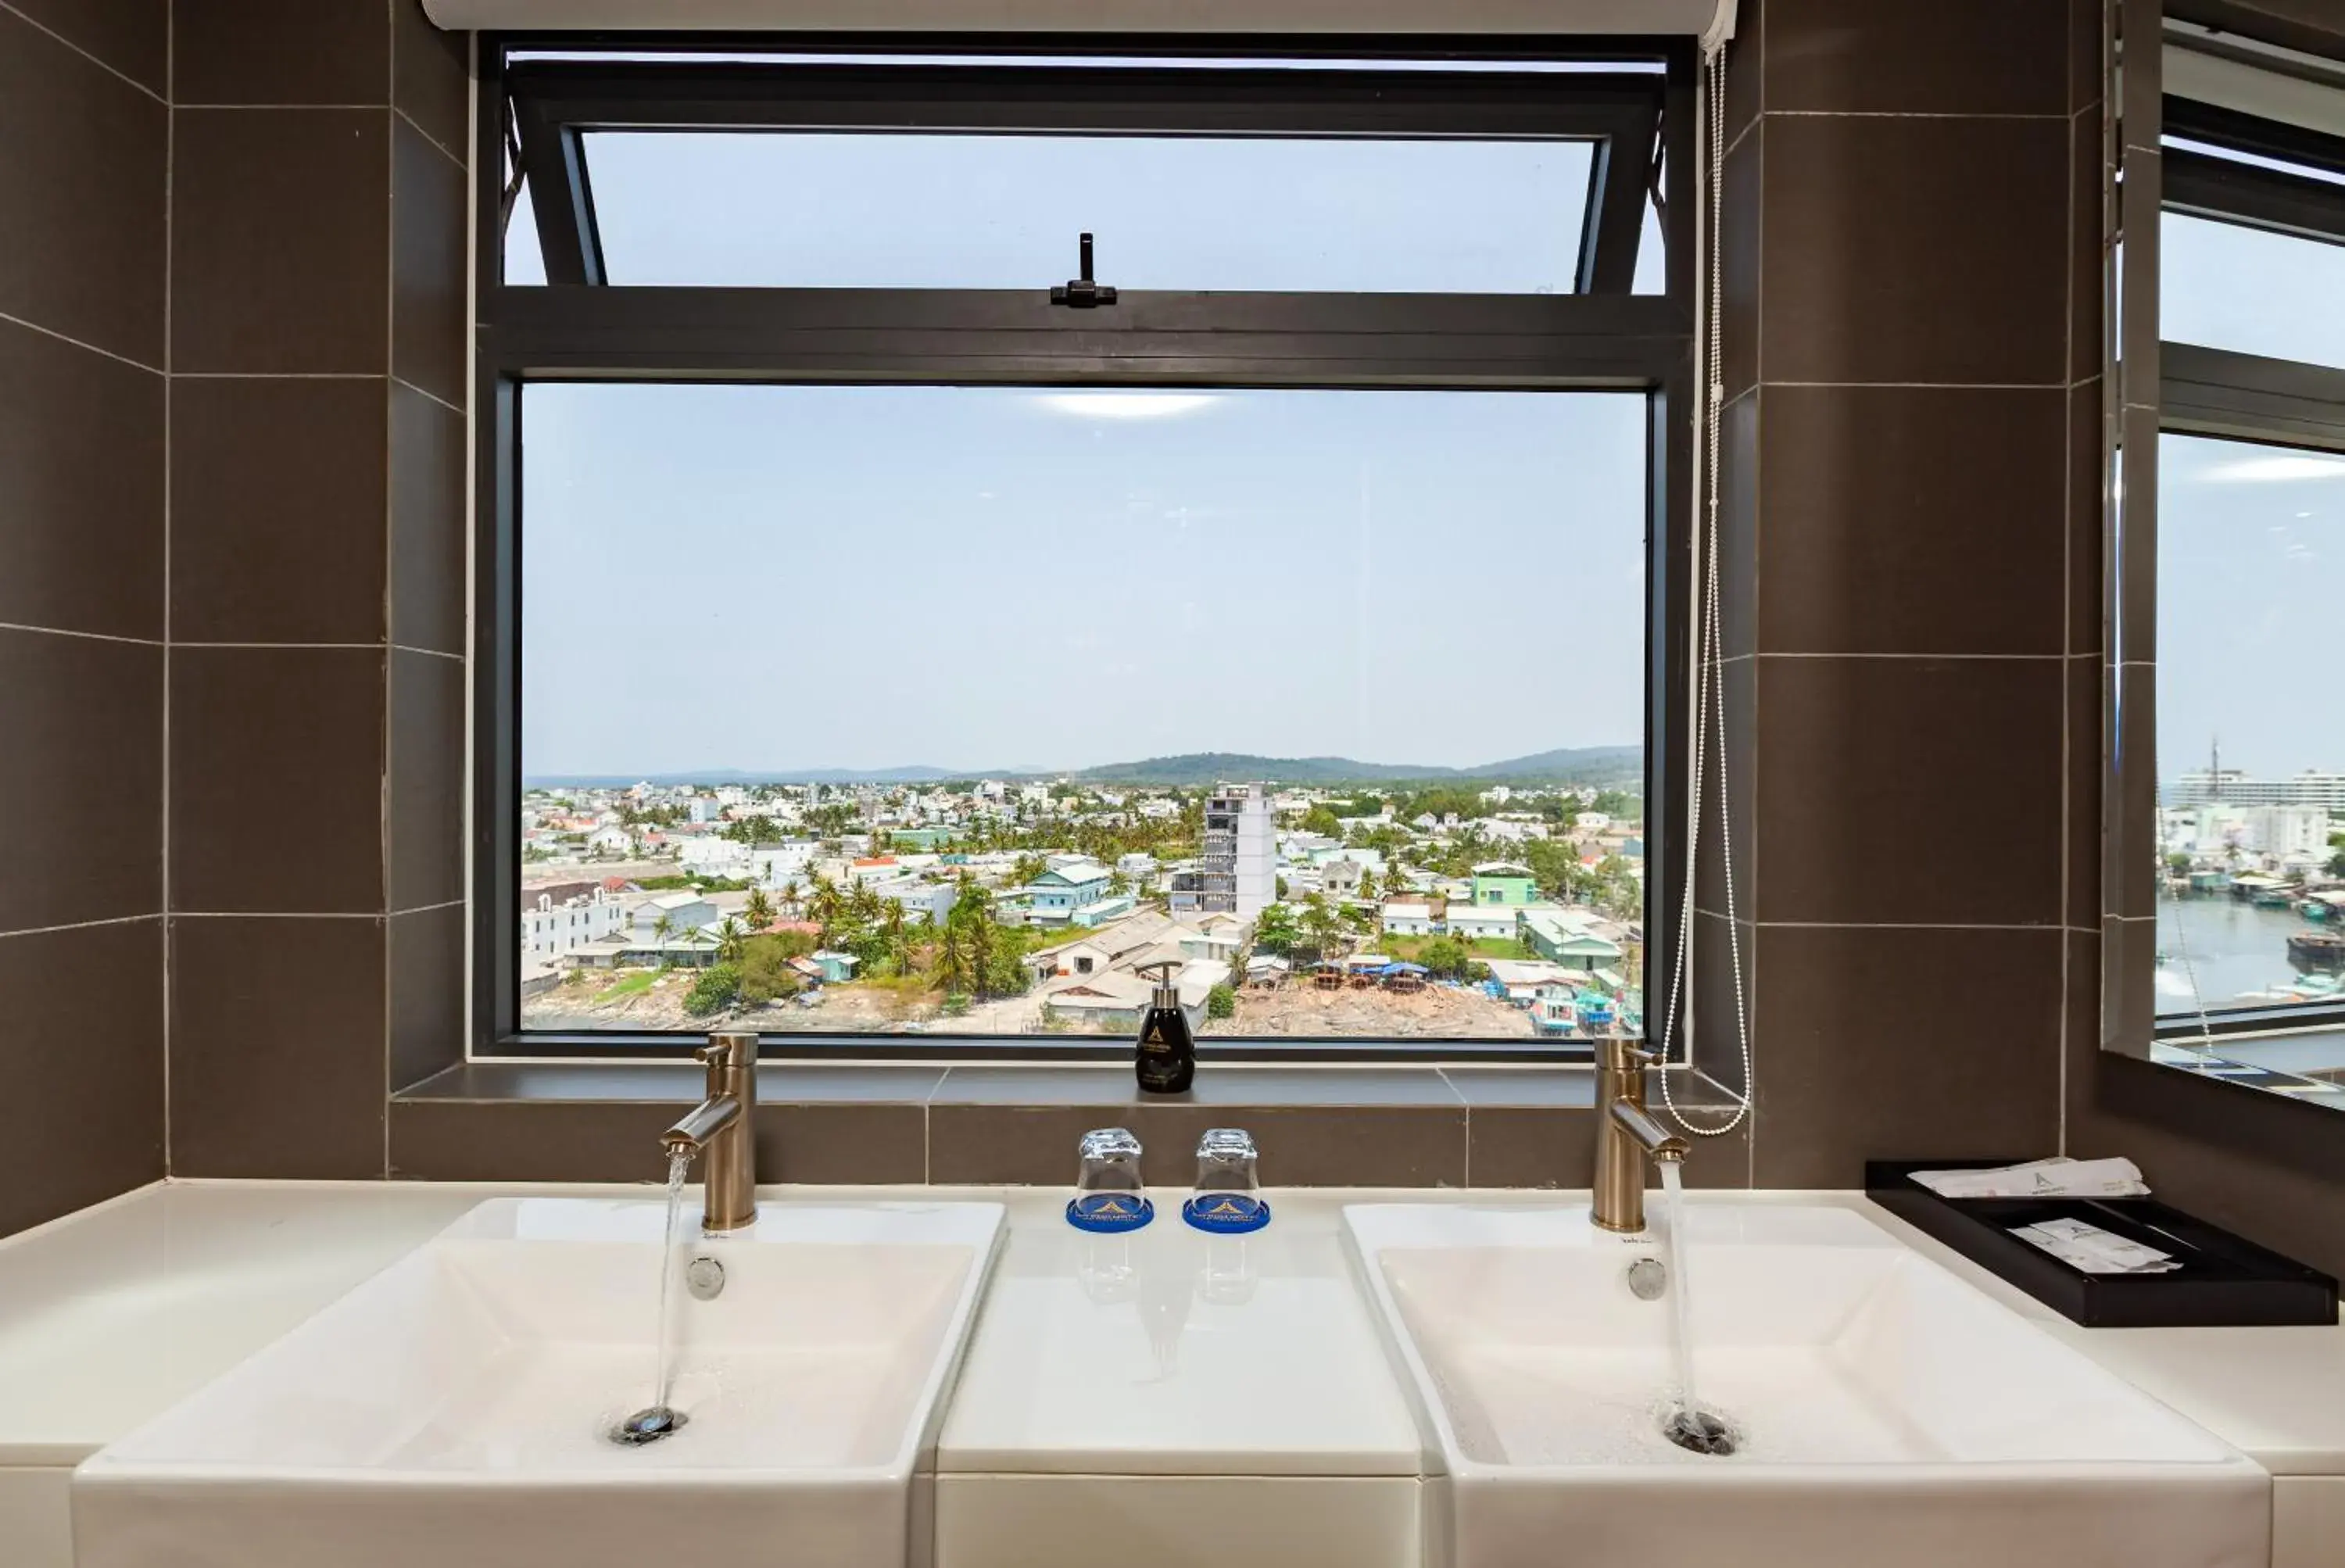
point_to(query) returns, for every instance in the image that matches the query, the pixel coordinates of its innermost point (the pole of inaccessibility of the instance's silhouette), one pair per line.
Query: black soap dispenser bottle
(1165, 1054)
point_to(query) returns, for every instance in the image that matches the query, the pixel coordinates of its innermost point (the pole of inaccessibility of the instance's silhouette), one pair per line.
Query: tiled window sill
(1402, 1125)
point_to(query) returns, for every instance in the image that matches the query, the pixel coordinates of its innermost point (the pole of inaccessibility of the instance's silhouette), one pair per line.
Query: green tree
(1028, 867)
(729, 941)
(949, 958)
(662, 929)
(1320, 819)
(1368, 888)
(765, 971)
(1321, 920)
(1276, 929)
(824, 904)
(1222, 1002)
(715, 988)
(760, 910)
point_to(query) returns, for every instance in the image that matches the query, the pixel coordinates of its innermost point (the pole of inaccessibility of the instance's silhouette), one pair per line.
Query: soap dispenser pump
(1165, 1054)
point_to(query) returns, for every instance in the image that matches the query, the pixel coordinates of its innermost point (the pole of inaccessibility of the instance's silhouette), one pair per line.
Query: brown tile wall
(85, 159)
(1896, 554)
(317, 586)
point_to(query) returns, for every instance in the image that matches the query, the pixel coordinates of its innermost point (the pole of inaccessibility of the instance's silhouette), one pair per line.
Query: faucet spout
(721, 1130)
(1627, 1136)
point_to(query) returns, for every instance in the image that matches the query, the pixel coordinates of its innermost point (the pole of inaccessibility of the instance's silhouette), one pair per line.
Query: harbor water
(2236, 952)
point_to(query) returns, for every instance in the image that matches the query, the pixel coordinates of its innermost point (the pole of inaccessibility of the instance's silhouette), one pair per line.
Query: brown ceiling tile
(1880, 778)
(81, 196)
(277, 510)
(83, 789)
(431, 76)
(262, 739)
(1914, 56)
(277, 1047)
(427, 780)
(131, 35)
(1877, 1043)
(1878, 263)
(82, 1058)
(428, 470)
(280, 246)
(429, 270)
(81, 488)
(280, 52)
(1913, 520)
(427, 992)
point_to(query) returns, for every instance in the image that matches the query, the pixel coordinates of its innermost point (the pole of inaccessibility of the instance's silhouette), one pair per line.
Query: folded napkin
(2057, 1178)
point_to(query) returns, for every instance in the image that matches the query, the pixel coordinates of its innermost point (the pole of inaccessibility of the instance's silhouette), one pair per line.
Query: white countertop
(1206, 1357)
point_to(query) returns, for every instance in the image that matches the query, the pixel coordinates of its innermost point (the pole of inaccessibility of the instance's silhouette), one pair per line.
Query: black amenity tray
(2224, 1280)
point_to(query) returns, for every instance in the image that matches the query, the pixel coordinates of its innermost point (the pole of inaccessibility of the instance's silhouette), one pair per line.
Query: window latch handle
(1082, 293)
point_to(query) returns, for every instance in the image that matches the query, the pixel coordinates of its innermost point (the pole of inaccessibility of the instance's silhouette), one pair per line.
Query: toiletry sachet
(2095, 1250)
(2058, 1177)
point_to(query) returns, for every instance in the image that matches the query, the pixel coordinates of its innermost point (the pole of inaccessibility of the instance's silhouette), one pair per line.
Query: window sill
(824, 1124)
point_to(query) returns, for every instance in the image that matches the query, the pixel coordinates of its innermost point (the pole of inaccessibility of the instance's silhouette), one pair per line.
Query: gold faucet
(1626, 1135)
(722, 1129)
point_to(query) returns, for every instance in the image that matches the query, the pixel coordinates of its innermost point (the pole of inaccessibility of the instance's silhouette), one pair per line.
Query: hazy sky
(801, 578)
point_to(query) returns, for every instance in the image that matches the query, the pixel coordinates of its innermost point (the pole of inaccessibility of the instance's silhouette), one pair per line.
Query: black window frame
(1602, 338)
(2233, 396)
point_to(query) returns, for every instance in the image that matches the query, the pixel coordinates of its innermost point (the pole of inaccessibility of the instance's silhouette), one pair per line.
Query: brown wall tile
(82, 788)
(2088, 352)
(2086, 21)
(428, 474)
(2129, 839)
(2081, 902)
(427, 992)
(1025, 1146)
(1876, 776)
(1877, 265)
(277, 779)
(1529, 1146)
(277, 1047)
(1746, 68)
(427, 780)
(842, 1144)
(1913, 520)
(277, 510)
(455, 1140)
(1715, 1035)
(131, 35)
(280, 241)
(1740, 542)
(280, 52)
(1729, 782)
(431, 76)
(81, 196)
(1914, 56)
(1743, 201)
(429, 190)
(81, 488)
(2088, 523)
(82, 1118)
(1881, 1044)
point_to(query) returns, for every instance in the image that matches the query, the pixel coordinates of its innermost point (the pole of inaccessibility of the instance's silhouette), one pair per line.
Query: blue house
(1058, 896)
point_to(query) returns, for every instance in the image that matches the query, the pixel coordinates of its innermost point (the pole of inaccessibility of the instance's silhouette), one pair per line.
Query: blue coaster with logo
(1226, 1213)
(1108, 1212)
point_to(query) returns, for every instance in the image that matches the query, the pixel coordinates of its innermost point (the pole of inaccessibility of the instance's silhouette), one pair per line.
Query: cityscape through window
(885, 710)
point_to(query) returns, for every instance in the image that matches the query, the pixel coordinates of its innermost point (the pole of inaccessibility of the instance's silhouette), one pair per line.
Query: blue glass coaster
(1226, 1213)
(1107, 1212)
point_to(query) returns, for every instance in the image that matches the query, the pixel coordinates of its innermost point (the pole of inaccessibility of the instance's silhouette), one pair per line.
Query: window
(895, 659)
(2249, 572)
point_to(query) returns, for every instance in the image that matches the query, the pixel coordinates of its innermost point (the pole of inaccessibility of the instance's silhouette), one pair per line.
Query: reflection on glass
(944, 710)
(871, 210)
(2226, 285)
(2252, 734)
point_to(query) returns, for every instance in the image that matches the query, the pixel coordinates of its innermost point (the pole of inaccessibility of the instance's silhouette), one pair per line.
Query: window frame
(1603, 338)
(2230, 395)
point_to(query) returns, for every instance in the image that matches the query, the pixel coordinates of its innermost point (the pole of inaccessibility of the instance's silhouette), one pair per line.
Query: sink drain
(649, 1426)
(1698, 1432)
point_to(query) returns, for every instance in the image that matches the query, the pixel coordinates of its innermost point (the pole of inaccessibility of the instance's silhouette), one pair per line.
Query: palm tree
(662, 929)
(893, 926)
(760, 910)
(952, 957)
(825, 905)
(728, 940)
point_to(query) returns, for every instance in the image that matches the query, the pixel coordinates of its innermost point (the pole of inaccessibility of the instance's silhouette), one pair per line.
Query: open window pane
(2251, 576)
(941, 709)
(815, 209)
(2226, 285)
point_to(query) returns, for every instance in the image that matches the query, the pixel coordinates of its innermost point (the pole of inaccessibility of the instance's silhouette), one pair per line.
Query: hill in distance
(1591, 767)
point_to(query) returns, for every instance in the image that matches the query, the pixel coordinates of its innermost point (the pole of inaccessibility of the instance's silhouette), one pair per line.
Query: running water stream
(1687, 1424)
(659, 1419)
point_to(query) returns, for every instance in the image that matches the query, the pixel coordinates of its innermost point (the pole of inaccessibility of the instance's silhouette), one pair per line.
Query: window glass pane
(807, 209)
(957, 692)
(2251, 736)
(2225, 286)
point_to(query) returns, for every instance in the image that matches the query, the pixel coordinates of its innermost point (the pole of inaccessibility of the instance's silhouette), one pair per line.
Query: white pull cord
(1709, 685)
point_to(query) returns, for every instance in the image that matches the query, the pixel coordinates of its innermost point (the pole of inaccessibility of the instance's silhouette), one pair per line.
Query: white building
(777, 865)
(929, 902)
(549, 930)
(2233, 788)
(713, 858)
(685, 911)
(1414, 917)
(1237, 867)
(2287, 831)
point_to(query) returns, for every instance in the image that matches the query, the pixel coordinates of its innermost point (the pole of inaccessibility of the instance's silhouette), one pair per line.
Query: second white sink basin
(1889, 1414)
(455, 1407)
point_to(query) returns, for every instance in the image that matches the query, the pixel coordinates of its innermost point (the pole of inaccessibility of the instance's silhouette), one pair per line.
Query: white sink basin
(454, 1410)
(1889, 1414)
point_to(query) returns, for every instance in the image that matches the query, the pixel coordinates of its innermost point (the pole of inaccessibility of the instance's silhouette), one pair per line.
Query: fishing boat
(2317, 950)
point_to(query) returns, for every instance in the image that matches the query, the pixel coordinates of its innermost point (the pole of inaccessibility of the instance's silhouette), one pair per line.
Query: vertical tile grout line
(1758, 564)
(2068, 524)
(389, 511)
(170, 159)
